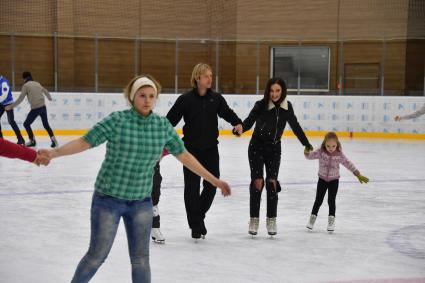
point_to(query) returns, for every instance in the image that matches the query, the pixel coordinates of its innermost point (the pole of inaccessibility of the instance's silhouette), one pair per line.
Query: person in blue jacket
(6, 98)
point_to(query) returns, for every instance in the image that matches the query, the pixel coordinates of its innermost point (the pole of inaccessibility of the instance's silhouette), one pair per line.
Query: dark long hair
(270, 82)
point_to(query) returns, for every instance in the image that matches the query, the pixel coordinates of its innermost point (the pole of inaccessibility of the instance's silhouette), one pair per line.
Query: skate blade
(158, 241)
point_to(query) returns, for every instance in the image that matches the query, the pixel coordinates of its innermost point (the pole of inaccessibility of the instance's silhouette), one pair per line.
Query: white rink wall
(368, 114)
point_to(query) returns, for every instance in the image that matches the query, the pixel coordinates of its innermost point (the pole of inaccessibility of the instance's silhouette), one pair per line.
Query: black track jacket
(270, 121)
(200, 128)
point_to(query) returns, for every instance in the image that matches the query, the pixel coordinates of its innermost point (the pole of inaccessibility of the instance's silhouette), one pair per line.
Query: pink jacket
(329, 163)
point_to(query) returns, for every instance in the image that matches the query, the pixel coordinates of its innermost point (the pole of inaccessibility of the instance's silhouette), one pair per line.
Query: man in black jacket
(199, 108)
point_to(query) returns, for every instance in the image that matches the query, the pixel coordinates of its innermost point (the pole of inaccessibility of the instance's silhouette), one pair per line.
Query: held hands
(42, 158)
(225, 188)
(308, 148)
(237, 130)
(397, 118)
(362, 179)
(8, 107)
(45, 155)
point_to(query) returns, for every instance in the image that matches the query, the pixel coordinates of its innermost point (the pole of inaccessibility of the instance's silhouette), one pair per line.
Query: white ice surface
(379, 236)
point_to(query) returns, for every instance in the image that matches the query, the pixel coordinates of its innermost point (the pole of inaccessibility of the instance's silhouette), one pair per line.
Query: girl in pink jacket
(330, 156)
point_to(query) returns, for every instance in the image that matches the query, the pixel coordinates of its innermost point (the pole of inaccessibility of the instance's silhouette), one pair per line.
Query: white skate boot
(331, 223)
(271, 226)
(310, 223)
(253, 225)
(157, 236)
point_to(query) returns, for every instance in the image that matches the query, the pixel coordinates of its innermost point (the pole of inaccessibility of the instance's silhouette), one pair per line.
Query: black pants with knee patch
(322, 187)
(262, 155)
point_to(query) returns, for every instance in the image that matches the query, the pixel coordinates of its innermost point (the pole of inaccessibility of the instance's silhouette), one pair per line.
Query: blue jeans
(106, 212)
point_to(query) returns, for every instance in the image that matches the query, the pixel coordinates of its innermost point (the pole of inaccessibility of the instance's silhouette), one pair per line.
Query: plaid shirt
(134, 145)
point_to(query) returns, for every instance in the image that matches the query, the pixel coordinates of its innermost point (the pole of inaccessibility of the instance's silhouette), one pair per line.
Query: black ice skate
(31, 143)
(196, 234)
(203, 230)
(54, 142)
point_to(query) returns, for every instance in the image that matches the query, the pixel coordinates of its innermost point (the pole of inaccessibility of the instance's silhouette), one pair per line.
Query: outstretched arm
(416, 114)
(296, 128)
(73, 147)
(47, 94)
(309, 154)
(225, 112)
(350, 166)
(19, 100)
(11, 150)
(190, 162)
(252, 117)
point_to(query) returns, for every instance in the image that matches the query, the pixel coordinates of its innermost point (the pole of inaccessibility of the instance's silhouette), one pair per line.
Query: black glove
(308, 148)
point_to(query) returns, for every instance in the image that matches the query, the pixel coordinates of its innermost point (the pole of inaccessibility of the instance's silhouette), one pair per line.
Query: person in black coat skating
(200, 108)
(270, 116)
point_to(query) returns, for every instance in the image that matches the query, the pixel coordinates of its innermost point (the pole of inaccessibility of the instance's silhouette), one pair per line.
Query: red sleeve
(11, 150)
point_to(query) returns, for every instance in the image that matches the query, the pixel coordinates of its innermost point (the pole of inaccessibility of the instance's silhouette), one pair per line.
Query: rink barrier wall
(349, 116)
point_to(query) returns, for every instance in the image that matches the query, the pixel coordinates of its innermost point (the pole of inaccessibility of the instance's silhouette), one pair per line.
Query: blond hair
(127, 89)
(198, 70)
(331, 136)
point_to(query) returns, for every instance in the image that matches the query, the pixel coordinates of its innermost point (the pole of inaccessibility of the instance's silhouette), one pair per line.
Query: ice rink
(379, 235)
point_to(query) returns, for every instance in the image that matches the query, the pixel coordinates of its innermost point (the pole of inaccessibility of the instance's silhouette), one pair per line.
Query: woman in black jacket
(270, 115)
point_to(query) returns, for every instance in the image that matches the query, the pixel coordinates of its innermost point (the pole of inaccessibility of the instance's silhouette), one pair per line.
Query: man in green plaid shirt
(135, 139)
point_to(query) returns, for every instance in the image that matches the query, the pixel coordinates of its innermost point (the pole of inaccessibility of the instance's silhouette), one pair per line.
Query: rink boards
(359, 116)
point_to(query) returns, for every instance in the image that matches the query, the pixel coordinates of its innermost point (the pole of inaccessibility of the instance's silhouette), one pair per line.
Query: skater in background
(330, 156)
(156, 234)
(270, 116)
(6, 99)
(199, 108)
(11, 150)
(35, 93)
(135, 139)
(416, 114)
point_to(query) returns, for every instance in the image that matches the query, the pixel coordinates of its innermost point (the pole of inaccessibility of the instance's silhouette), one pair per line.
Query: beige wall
(242, 20)
(28, 16)
(360, 24)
